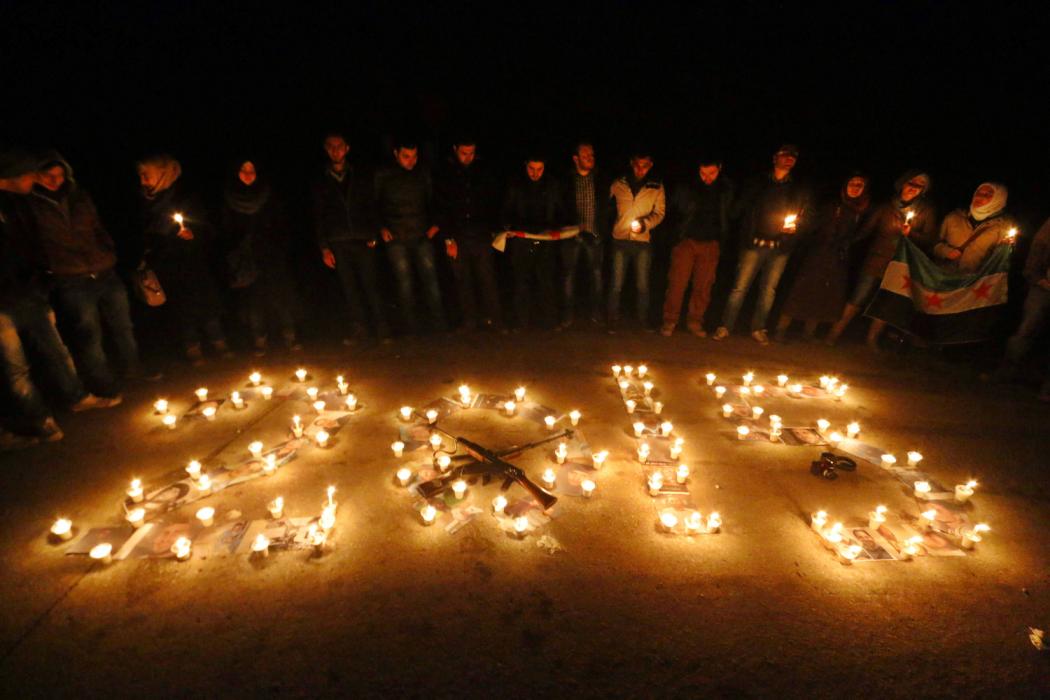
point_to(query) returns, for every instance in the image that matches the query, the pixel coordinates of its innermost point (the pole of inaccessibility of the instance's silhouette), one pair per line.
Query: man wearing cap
(774, 211)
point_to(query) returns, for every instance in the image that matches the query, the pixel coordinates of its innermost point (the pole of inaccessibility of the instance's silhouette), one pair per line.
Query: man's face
(584, 158)
(709, 173)
(784, 161)
(641, 166)
(534, 169)
(53, 178)
(149, 177)
(407, 157)
(247, 173)
(855, 187)
(465, 154)
(336, 147)
(982, 196)
(911, 190)
(19, 184)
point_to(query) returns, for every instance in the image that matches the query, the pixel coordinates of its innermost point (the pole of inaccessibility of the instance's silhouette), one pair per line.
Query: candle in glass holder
(322, 438)
(102, 553)
(714, 523)
(312, 393)
(549, 421)
(459, 488)
(758, 390)
(911, 547)
(720, 391)
(255, 448)
(742, 432)
(745, 391)
(694, 522)
(877, 517)
(182, 549)
(853, 430)
(521, 526)
(727, 410)
(631, 404)
(628, 370)
(509, 407)
(464, 394)
(574, 417)
(169, 420)
(616, 369)
(136, 517)
(62, 529)
(404, 475)
(964, 491)
(160, 406)
(927, 518)
(682, 473)
(276, 508)
(443, 461)
(824, 381)
(432, 416)
(795, 389)
(519, 394)
(206, 516)
(255, 378)
(341, 384)
(710, 377)
(971, 536)
(598, 458)
(208, 412)
(499, 504)
(549, 478)
(647, 387)
(643, 452)
(406, 413)
(135, 491)
(561, 453)
(666, 428)
(202, 394)
(676, 451)
(642, 371)
(300, 374)
(327, 519)
(834, 438)
(914, 458)
(587, 486)
(204, 483)
(922, 489)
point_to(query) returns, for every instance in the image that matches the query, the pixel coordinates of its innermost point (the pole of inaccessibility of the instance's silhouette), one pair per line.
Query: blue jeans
(590, 248)
(401, 255)
(31, 321)
(1035, 315)
(623, 254)
(86, 303)
(771, 262)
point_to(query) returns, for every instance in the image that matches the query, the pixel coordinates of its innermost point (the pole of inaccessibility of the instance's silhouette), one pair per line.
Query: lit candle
(182, 549)
(853, 430)
(964, 491)
(824, 381)
(169, 420)
(911, 547)
(745, 391)
(160, 406)
(647, 387)
(549, 421)
(435, 441)
(464, 394)
(1011, 234)
(404, 475)
(193, 469)
(443, 461)
(267, 392)
(312, 393)
(818, 520)
(616, 369)
(432, 416)
(207, 516)
(758, 390)
(877, 517)
(971, 537)
(727, 410)
(908, 216)
(318, 538)
(835, 438)
(255, 448)
(319, 406)
(748, 378)
(297, 426)
(693, 522)
(658, 407)
(914, 458)
(636, 226)
(351, 402)
(656, 482)
(327, 519)
(549, 478)
(62, 529)
(599, 458)
(561, 453)
(499, 504)
(639, 428)
(742, 432)
(668, 520)
(676, 451)
(255, 378)
(428, 513)
(459, 488)
(624, 385)
(927, 518)
(587, 486)
(135, 491)
(714, 523)
(204, 483)
(509, 407)
(682, 473)
(519, 394)
(398, 448)
(642, 371)
(888, 461)
(832, 382)
(848, 554)
(330, 496)
(276, 508)
(136, 517)
(406, 413)
(270, 464)
(757, 412)
(710, 377)
(841, 391)
(643, 452)
(790, 223)
(208, 412)
(342, 385)
(922, 489)
(822, 425)
(720, 391)
(631, 404)
(300, 374)
(202, 394)
(102, 553)
(666, 427)
(322, 438)
(236, 400)
(774, 420)
(261, 546)
(833, 536)
(179, 219)
(521, 526)
(628, 370)
(795, 389)
(782, 380)
(574, 417)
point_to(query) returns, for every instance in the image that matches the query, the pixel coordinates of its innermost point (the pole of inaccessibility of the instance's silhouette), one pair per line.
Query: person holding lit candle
(968, 237)
(767, 238)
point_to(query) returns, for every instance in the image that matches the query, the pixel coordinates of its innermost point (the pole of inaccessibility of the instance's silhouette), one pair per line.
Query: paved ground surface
(399, 609)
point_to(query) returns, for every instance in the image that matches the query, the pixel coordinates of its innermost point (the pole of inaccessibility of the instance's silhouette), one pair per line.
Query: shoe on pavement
(91, 401)
(49, 431)
(721, 333)
(666, 330)
(760, 336)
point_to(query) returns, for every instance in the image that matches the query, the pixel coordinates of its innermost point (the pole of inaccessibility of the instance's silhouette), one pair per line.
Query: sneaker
(12, 441)
(721, 333)
(760, 336)
(698, 332)
(666, 330)
(49, 431)
(91, 401)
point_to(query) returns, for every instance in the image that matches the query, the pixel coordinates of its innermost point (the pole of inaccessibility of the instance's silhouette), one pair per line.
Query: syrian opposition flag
(558, 234)
(941, 306)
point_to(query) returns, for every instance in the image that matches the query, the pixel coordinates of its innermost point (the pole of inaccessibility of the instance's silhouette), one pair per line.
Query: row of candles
(831, 385)
(833, 536)
(510, 407)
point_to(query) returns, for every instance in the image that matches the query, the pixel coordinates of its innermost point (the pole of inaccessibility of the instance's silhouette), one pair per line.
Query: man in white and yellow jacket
(640, 207)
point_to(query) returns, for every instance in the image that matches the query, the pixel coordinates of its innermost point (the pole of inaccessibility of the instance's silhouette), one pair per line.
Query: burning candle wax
(599, 458)
(312, 393)
(628, 370)
(398, 448)
(642, 371)
(748, 378)
(727, 410)
(782, 380)
(631, 404)
(319, 406)
(322, 438)
(757, 412)
(521, 525)
(639, 428)
(914, 458)
(207, 516)
(169, 420)
(742, 432)
(236, 400)
(270, 464)
(406, 413)
(255, 448)
(668, 520)
(574, 417)
(964, 491)
(656, 482)
(62, 529)
(435, 441)
(404, 475)
(261, 546)
(720, 391)
(432, 416)
(160, 406)
(519, 394)
(208, 412)
(823, 424)
(443, 461)
(300, 374)
(509, 407)
(682, 473)
(102, 553)
(587, 486)
(182, 548)
(647, 387)
(202, 394)
(888, 460)
(499, 504)
(459, 488)
(136, 516)
(276, 508)
(351, 402)
(549, 421)
(710, 377)
(135, 491)
(549, 478)
(255, 378)
(428, 513)
(267, 392)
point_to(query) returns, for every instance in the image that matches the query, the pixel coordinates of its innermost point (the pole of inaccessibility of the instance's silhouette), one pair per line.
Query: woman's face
(247, 173)
(855, 187)
(911, 190)
(150, 176)
(982, 196)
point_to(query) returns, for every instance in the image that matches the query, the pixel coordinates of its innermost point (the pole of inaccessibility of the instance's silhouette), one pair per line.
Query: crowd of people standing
(573, 235)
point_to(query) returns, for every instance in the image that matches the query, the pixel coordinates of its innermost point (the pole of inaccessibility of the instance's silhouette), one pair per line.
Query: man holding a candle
(775, 209)
(640, 208)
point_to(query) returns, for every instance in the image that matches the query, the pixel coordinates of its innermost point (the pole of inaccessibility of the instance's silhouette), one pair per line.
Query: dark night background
(959, 91)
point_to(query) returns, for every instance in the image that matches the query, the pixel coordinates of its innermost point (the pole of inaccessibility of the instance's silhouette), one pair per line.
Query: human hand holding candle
(790, 223)
(1011, 236)
(183, 233)
(906, 226)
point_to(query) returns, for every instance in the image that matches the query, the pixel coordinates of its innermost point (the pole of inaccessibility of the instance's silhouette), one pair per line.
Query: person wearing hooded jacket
(968, 237)
(909, 214)
(80, 258)
(176, 237)
(255, 229)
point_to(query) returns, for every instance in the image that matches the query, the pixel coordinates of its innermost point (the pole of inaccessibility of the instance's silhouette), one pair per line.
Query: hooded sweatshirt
(885, 224)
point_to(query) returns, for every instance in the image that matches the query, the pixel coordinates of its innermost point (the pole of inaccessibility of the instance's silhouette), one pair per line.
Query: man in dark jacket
(79, 255)
(404, 204)
(533, 205)
(346, 234)
(701, 209)
(586, 197)
(25, 313)
(465, 199)
(775, 209)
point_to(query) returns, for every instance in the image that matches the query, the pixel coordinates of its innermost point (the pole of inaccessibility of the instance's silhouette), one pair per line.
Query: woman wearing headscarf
(176, 235)
(818, 293)
(968, 237)
(255, 229)
(908, 213)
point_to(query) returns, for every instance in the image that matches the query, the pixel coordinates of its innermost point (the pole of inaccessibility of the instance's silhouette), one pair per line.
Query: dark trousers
(192, 298)
(264, 301)
(591, 250)
(87, 303)
(31, 321)
(696, 261)
(475, 272)
(355, 263)
(625, 254)
(418, 253)
(534, 265)
(1034, 318)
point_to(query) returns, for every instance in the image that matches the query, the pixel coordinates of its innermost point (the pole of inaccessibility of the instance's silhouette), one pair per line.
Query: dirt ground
(397, 609)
